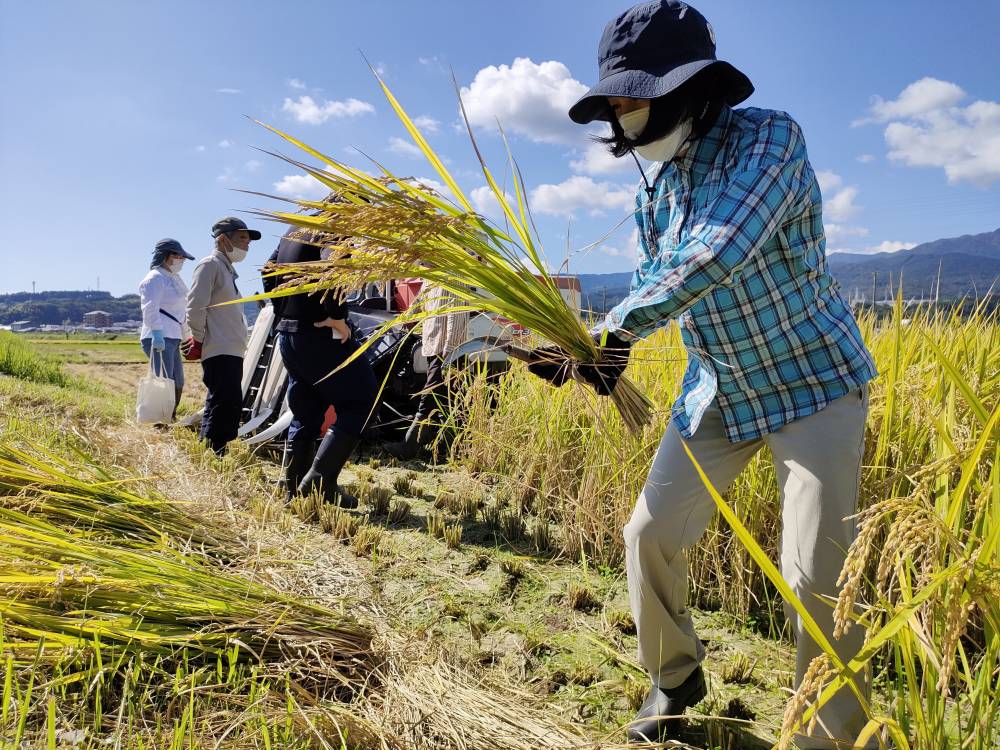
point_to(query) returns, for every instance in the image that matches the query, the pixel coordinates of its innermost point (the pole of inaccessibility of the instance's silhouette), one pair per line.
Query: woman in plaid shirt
(732, 247)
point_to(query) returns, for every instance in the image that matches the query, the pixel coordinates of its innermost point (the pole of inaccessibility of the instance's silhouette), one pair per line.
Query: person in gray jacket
(219, 331)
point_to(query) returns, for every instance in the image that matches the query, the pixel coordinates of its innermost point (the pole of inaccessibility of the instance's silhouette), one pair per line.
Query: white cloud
(838, 200)
(838, 233)
(887, 246)
(841, 205)
(828, 181)
(629, 249)
(434, 62)
(231, 174)
(595, 160)
(866, 158)
(485, 202)
(530, 99)
(890, 246)
(228, 91)
(311, 112)
(399, 146)
(303, 186)
(295, 83)
(427, 124)
(225, 143)
(926, 127)
(199, 149)
(920, 99)
(963, 142)
(579, 193)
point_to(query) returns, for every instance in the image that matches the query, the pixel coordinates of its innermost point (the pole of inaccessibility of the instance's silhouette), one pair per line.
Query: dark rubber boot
(651, 723)
(178, 392)
(409, 446)
(297, 460)
(333, 453)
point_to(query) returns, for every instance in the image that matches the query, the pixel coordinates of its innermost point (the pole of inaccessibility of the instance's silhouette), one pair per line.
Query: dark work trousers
(223, 377)
(310, 356)
(433, 397)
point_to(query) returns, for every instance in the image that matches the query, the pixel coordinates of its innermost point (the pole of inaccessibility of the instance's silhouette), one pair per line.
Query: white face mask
(174, 265)
(666, 148)
(236, 254)
(634, 122)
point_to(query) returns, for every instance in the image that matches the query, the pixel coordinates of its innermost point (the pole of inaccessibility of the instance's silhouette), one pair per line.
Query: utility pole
(874, 288)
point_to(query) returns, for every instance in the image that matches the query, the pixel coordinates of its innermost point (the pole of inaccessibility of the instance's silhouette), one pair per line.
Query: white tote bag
(155, 403)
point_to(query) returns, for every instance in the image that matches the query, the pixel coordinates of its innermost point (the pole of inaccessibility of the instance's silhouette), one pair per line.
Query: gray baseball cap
(232, 224)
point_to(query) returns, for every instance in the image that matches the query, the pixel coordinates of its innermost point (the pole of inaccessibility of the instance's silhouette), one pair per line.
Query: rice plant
(380, 498)
(405, 486)
(366, 540)
(399, 511)
(436, 524)
(452, 535)
(380, 226)
(20, 360)
(582, 598)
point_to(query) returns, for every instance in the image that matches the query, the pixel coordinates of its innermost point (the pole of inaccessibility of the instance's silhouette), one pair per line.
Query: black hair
(701, 98)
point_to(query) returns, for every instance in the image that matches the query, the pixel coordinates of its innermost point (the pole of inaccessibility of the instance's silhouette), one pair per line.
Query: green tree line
(59, 307)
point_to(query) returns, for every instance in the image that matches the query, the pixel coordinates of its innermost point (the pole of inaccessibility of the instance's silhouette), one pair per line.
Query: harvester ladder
(257, 379)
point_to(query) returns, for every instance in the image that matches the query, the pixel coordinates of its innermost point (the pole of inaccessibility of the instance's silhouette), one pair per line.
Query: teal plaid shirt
(732, 246)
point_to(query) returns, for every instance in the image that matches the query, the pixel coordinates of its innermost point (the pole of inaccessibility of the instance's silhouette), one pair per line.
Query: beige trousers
(818, 463)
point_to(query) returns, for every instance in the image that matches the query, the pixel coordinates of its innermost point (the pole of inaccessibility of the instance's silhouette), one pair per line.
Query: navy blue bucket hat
(650, 50)
(165, 248)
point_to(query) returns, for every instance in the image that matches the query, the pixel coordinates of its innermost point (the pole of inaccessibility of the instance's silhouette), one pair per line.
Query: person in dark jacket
(314, 339)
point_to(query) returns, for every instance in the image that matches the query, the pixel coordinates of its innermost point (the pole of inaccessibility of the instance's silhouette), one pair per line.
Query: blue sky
(124, 121)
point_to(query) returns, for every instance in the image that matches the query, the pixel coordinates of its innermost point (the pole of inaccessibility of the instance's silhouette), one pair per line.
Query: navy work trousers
(309, 357)
(223, 377)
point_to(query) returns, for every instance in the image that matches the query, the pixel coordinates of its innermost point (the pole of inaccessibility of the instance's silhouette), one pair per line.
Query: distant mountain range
(968, 267)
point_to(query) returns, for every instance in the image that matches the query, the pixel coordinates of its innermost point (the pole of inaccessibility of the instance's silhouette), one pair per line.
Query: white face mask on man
(237, 254)
(662, 149)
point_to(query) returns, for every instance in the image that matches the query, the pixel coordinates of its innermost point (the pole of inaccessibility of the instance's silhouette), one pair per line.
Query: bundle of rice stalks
(380, 226)
(83, 496)
(441, 706)
(66, 593)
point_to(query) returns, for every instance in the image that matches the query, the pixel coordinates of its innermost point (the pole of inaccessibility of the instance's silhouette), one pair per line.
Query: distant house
(21, 325)
(98, 319)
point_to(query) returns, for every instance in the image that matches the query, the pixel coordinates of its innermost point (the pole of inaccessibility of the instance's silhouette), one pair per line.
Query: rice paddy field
(152, 596)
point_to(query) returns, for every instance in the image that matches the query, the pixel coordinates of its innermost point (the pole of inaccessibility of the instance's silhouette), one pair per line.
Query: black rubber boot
(296, 461)
(333, 453)
(651, 723)
(409, 446)
(178, 392)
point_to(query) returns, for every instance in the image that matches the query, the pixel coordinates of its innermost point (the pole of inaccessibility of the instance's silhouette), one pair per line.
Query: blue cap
(650, 50)
(168, 246)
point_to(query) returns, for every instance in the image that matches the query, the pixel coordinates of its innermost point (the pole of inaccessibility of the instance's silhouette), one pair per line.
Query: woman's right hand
(339, 327)
(550, 363)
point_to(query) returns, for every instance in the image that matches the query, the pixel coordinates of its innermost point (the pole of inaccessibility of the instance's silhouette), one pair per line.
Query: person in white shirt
(163, 296)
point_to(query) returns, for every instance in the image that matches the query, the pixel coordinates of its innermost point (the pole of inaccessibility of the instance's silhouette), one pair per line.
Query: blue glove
(158, 343)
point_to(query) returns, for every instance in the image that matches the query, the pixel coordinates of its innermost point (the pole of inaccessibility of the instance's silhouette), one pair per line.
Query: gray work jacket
(222, 330)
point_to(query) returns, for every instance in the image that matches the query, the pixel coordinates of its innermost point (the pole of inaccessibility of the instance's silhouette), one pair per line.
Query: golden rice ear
(400, 229)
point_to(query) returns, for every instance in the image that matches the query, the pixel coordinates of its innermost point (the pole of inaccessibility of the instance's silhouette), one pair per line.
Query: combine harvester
(396, 358)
